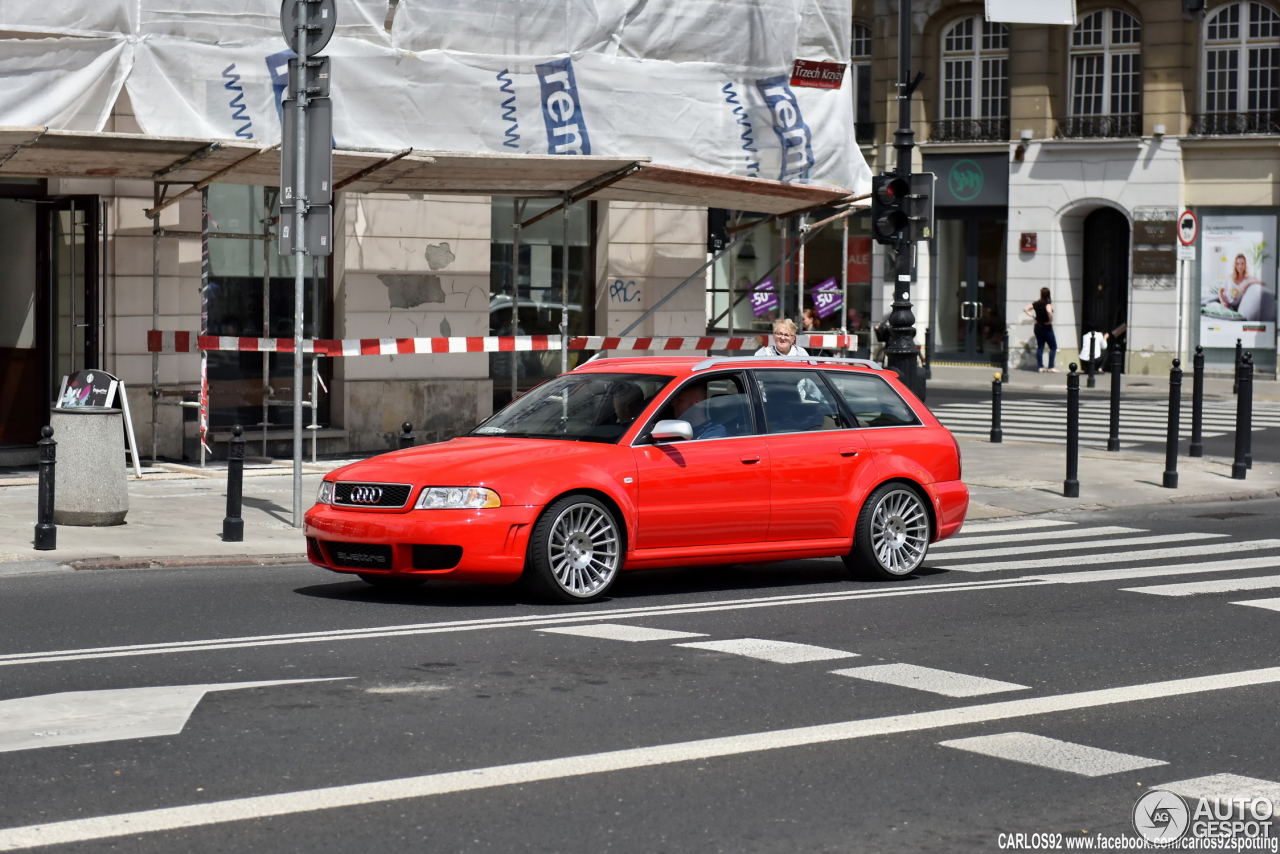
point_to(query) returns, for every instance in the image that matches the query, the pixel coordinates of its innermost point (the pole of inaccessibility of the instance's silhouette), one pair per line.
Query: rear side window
(797, 402)
(872, 400)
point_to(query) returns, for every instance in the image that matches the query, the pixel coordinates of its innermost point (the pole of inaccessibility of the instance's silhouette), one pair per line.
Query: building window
(860, 75)
(1106, 77)
(1241, 71)
(975, 82)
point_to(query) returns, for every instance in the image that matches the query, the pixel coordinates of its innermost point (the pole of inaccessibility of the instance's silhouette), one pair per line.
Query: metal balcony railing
(969, 130)
(1223, 124)
(1100, 127)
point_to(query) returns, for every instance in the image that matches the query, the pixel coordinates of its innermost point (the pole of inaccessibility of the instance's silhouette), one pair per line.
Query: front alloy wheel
(575, 550)
(892, 536)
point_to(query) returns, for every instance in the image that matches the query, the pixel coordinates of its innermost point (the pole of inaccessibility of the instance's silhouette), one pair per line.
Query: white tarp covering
(67, 83)
(702, 84)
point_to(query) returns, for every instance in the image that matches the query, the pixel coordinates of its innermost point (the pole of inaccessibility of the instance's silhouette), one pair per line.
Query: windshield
(585, 407)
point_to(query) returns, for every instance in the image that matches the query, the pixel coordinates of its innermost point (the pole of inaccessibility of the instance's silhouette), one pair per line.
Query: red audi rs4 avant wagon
(631, 463)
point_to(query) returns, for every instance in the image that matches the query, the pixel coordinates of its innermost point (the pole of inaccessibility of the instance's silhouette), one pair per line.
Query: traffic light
(920, 206)
(889, 217)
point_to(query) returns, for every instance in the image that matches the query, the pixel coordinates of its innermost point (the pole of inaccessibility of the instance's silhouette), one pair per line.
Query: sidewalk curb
(183, 561)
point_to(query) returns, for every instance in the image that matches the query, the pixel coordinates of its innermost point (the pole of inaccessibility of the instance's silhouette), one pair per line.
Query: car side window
(872, 400)
(716, 408)
(797, 402)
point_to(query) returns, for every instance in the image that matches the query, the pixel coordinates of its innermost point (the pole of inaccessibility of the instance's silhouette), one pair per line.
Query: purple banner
(763, 298)
(827, 298)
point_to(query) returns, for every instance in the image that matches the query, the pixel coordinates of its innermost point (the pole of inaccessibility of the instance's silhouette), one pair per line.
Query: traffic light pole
(299, 261)
(901, 348)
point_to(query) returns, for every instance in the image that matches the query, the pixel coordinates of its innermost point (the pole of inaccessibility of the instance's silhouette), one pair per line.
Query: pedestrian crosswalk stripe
(1017, 523)
(929, 679)
(615, 631)
(1101, 531)
(1051, 753)
(1224, 786)
(1130, 573)
(779, 652)
(1269, 604)
(1115, 557)
(1037, 548)
(1221, 585)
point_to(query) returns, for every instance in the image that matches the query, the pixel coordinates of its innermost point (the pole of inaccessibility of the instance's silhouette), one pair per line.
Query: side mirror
(669, 431)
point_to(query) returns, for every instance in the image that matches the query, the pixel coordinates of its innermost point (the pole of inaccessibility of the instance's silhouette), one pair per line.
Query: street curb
(181, 561)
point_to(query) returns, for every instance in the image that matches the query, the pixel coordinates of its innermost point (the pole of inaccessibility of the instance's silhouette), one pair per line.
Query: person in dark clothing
(1042, 311)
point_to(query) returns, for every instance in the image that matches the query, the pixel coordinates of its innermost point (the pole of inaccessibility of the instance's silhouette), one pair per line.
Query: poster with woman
(1238, 282)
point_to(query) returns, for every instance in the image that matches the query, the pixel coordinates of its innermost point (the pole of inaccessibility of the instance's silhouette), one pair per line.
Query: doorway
(969, 302)
(1105, 284)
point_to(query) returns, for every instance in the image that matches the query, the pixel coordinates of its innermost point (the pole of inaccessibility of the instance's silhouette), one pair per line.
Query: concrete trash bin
(90, 479)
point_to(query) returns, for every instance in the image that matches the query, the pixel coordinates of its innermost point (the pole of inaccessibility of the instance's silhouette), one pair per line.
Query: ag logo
(965, 180)
(1160, 817)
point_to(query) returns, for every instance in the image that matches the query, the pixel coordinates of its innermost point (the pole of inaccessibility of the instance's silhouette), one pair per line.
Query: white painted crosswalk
(948, 561)
(1035, 536)
(1015, 524)
(1030, 749)
(613, 631)
(1226, 786)
(779, 652)
(1041, 548)
(930, 679)
(1220, 585)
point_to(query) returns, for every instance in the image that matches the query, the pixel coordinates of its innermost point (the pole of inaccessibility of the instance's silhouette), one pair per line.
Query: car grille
(371, 494)
(313, 550)
(436, 557)
(360, 555)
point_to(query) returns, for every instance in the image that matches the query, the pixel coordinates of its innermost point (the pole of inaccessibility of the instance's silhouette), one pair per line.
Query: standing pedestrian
(1042, 311)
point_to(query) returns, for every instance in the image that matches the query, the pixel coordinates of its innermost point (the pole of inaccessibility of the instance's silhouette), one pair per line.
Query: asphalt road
(462, 718)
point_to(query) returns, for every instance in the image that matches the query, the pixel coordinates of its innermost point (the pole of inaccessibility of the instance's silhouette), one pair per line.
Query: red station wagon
(630, 463)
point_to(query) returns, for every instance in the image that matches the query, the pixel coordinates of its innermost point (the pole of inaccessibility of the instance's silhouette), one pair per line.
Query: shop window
(1241, 73)
(860, 77)
(975, 82)
(1105, 98)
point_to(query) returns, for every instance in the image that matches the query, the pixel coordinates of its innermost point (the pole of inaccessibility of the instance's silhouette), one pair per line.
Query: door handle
(748, 459)
(848, 452)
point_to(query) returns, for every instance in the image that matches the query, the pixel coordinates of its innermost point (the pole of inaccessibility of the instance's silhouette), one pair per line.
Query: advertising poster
(764, 298)
(1238, 282)
(827, 298)
(92, 389)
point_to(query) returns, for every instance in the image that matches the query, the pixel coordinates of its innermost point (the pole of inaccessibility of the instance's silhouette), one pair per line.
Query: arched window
(1106, 76)
(1241, 71)
(975, 81)
(860, 77)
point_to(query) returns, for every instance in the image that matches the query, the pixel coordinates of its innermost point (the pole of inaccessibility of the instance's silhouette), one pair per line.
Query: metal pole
(844, 281)
(406, 435)
(1091, 361)
(1197, 404)
(564, 291)
(1235, 382)
(1171, 437)
(1240, 465)
(800, 277)
(71, 288)
(315, 358)
(733, 282)
(518, 208)
(46, 531)
(155, 324)
(997, 434)
(1071, 486)
(232, 524)
(901, 348)
(1246, 393)
(267, 390)
(204, 320)
(1117, 359)
(299, 271)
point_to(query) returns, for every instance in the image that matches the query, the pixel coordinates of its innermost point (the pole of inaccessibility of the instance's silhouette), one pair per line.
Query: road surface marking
(1010, 525)
(1051, 753)
(1119, 557)
(1040, 548)
(779, 652)
(929, 679)
(1222, 585)
(87, 717)
(383, 791)
(1269, 604)
(1130, 573)
(1037, 536)
(1224, 786)
(613, 631)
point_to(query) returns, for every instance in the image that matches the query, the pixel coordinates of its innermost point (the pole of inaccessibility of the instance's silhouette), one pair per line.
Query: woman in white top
(784, 342)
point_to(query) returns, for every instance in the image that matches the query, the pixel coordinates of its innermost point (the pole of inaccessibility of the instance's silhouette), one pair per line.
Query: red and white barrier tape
(182, 342)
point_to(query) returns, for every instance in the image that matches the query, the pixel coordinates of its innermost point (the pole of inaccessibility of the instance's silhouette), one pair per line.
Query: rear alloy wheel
(575, 551)
(390, 582)
(892, 537)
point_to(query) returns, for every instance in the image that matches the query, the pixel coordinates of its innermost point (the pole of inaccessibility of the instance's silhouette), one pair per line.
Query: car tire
(389, 582)
(575, 551)
(891, 539)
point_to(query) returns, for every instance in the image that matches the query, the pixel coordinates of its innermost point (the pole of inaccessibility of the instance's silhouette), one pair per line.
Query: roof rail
(809, 360)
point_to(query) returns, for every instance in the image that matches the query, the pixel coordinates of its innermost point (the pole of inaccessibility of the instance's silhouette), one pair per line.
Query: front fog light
(325, 496)
(457, 498)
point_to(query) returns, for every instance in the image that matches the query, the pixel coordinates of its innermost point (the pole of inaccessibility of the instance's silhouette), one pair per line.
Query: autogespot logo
(965, 180)
(1161, 817)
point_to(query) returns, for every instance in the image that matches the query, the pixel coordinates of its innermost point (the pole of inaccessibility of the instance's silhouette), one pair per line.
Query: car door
(710, 490)
(896, 439)
(816, 458)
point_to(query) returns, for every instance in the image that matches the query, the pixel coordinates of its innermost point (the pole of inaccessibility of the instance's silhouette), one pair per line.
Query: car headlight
(325, 496)
(457, 498)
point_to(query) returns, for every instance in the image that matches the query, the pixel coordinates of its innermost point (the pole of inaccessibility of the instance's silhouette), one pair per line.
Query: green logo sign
(965, 180)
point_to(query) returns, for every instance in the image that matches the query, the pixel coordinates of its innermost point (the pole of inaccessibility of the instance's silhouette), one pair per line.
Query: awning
(38, 152)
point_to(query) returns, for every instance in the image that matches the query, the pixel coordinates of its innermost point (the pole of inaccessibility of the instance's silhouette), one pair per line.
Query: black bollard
(46, 531)
(1004, 358)
(1244, 420)
(1171, 438)
(997, 435)
(233, 525)
(1235, 381)
(1071, 487)
(1091, 362)
(1197, 403)
(406, 435)
(1117, 362)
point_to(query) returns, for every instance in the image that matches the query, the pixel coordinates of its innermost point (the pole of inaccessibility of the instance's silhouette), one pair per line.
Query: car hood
(519, 470)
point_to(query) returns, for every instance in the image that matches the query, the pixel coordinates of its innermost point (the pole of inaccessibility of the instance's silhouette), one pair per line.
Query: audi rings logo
(366, 494)
(1160, 817)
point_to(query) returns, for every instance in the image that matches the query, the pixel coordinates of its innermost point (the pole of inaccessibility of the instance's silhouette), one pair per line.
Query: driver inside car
(690, 404)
